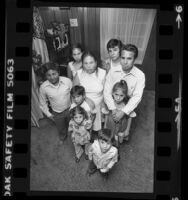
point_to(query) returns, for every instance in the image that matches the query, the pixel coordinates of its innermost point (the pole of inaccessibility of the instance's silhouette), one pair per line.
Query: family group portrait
(93, 99)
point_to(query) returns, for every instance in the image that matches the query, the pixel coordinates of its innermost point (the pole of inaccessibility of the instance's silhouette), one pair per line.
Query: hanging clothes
(39, 45)
(36, 112)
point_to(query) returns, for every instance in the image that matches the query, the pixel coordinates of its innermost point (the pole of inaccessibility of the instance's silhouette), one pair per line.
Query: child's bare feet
(126, 138)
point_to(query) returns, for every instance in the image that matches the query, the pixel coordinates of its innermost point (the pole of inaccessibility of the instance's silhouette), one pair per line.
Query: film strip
(17, 123)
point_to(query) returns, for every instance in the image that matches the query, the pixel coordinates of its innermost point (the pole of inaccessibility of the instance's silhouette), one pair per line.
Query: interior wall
(76, 33)
(48, 15)
(91, 30)
(87, 33)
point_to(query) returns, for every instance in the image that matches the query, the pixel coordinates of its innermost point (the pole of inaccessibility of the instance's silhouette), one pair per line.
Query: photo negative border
(17, 100)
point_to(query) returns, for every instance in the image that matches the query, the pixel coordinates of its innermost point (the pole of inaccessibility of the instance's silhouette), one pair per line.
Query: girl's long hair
(75, 46)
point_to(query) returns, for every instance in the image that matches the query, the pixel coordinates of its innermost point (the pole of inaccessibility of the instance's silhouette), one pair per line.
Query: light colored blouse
(93, 84)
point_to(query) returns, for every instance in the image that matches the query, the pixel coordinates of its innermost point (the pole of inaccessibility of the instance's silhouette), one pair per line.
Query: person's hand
(88, 124)
(118, 115)
(114, 113)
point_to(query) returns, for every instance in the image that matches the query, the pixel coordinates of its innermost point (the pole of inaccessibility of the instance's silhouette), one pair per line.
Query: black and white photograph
(93, 99)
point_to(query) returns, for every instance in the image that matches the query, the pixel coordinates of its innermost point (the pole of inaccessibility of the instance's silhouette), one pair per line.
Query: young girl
(78, 127)
(76, 64)
(92, 78)
(102, 154)
(113, 48)
(119, 94)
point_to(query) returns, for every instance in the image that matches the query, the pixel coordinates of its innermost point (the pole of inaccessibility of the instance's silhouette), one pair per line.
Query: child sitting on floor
(102, 154)
(78, 128)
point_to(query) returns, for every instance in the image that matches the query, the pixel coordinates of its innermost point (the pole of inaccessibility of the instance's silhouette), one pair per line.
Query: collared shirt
(135, 81)
(57, 95)
(102, 160)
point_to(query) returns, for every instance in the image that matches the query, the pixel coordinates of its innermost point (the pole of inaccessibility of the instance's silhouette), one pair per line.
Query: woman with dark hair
(76, 63)
(92, 78)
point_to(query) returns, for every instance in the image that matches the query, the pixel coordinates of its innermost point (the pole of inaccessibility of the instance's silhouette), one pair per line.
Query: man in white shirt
(56, 91)
(135, 79)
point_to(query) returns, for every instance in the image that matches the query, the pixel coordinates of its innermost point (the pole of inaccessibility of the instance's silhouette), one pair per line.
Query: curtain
(129, 25)
(39, 45)
(36, 112)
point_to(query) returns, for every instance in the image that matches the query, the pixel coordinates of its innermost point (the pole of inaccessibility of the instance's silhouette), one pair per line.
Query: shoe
(77, 159)
(62, 138)
(126, 138)
(105, 176)
(118, 157)
(91, 171)
(60, 142)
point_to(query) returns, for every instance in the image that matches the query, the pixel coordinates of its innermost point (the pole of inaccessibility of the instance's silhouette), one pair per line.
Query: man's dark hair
(132, 48)
(51, 66)
(77, 90)
(113, 43)
(106, 135)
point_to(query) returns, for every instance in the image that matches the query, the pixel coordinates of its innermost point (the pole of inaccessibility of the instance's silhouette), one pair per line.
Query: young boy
(113, 48)
(102, 154)
(56, 91)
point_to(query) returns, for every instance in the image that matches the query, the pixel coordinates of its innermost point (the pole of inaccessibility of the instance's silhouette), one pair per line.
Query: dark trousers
(62, 121)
